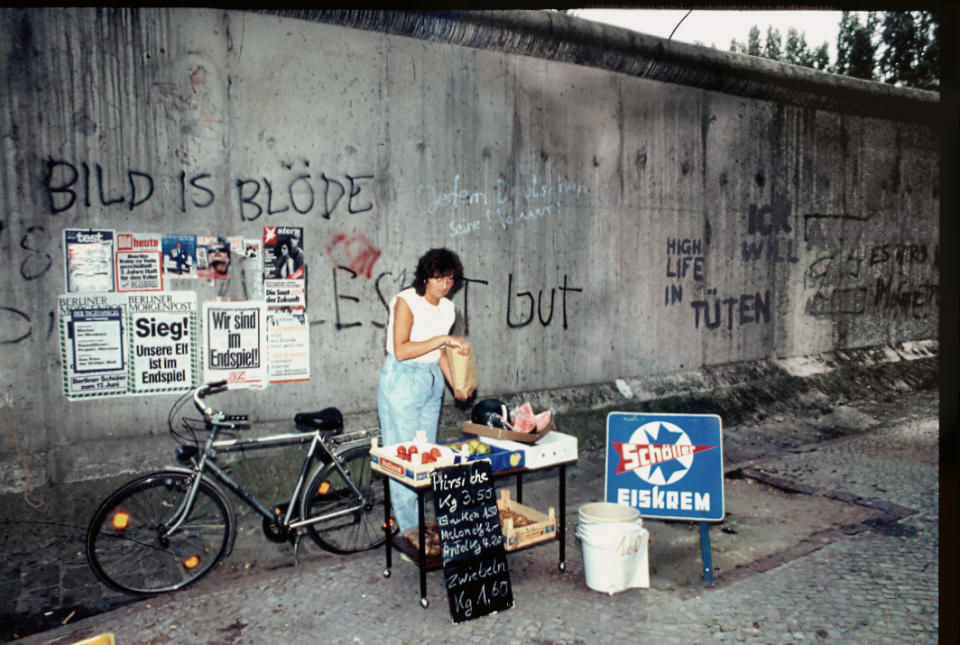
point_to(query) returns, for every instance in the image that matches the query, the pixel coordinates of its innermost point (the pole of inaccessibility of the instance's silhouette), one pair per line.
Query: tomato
(427, 458)
(402, 451)
(435, 452)
(412, 450)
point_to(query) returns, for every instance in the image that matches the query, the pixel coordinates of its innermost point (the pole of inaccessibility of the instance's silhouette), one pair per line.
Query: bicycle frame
(206, 465)
(316, 440)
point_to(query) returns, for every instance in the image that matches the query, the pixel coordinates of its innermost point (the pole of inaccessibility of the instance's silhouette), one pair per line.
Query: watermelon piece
(523, 419)
(541, 420)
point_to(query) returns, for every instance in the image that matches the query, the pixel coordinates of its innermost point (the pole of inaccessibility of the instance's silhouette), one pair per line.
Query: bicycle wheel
(328, 492)
(126, 545)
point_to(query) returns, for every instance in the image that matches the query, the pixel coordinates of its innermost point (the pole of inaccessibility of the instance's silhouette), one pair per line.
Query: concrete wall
(610, 225)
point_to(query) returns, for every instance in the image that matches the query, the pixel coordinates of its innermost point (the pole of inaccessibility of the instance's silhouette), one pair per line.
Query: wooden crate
(415, 473)
(543, 527)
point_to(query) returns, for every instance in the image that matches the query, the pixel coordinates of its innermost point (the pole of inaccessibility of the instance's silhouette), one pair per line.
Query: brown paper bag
(463, 371)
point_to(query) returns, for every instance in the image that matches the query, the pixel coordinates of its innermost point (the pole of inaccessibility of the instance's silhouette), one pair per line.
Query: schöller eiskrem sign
(668, 466)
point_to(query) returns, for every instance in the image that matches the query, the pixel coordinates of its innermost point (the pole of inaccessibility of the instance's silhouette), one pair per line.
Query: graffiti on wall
(684, 262)
(521, 306)
(503, 206)
(771, 234)
(70, 185)
(34, 261)
(851, 277)
(742, 309)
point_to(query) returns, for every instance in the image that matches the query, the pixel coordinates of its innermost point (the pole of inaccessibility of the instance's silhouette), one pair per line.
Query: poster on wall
(139, 262)
(235, 343)
(283, 253)
(284, 268)
(285, 294)
(163, 342)
(252, 249)
(213, 257)
(288, 343)
(92, 344)
(88, 260)
(251, 264)
(180, 256)
(113, 344)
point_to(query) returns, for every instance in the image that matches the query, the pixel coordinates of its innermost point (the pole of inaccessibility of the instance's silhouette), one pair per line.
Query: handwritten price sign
(471, 542)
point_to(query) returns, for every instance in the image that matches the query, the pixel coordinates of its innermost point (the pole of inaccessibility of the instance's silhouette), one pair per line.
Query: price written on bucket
(471, 541)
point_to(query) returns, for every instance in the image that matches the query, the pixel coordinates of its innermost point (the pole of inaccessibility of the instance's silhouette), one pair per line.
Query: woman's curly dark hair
(437, 263)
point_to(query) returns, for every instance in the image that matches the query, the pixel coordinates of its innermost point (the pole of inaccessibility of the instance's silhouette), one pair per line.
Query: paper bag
(463, 371)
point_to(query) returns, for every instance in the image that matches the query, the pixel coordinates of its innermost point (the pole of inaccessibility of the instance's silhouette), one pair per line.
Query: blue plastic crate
(500, 458)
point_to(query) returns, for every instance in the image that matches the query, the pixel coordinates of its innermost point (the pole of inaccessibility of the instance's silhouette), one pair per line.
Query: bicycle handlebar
(211, 388)
(215, 416)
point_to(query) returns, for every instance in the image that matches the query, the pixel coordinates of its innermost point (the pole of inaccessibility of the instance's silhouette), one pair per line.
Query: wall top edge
(559, 37)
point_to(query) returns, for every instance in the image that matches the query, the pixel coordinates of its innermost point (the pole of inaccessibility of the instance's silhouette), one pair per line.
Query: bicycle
(165, 530)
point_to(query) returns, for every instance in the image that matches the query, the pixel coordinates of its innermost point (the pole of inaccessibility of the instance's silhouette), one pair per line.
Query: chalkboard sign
(471, 542)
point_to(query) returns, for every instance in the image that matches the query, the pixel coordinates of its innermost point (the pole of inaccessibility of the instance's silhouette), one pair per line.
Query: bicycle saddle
(328, 420)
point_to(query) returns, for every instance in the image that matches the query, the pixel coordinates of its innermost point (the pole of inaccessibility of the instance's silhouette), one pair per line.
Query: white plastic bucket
(600, 512)
(614, 545)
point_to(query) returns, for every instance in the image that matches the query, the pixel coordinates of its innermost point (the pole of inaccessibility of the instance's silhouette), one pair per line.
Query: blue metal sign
(668, 466)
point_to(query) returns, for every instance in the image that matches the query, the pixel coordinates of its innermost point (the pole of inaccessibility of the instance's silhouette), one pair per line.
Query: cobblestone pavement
(876, 582)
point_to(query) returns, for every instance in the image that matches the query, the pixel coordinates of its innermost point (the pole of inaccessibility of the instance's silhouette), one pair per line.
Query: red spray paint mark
(354, 252)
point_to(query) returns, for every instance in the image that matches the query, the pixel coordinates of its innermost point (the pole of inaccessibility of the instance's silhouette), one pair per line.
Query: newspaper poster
(88, 260)
(251, 249)
(139, 262)
(285, 294)
(92, 339)
(283, 256)
(163, 342)
(251, 264)
(180, 256)
(284, 268)
(235, 347)
(288, 341)
(213, 257)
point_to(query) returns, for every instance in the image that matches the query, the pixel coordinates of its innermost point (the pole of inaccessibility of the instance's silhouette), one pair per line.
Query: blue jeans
(408, 400)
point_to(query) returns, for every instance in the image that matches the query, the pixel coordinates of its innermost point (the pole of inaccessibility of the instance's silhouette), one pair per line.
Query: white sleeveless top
(428, 321)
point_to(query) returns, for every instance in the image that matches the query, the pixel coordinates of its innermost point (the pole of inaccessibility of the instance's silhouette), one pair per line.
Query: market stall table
(422, 486)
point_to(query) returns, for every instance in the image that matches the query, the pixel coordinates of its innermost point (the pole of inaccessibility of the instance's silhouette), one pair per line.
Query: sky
(719, 27)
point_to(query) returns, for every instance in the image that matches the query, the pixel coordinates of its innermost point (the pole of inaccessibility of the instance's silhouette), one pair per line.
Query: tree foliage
(771, 48)
(753, 41)
(856, 49)
(897, 47)
(911, 52)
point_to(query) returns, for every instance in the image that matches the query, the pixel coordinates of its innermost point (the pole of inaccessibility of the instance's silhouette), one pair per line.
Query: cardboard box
(500, 433)
(384, 459)
(542, 527)
(554, 448)
(501, 457)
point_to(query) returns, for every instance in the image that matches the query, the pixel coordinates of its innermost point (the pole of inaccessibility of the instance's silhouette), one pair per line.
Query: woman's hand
(462, 345)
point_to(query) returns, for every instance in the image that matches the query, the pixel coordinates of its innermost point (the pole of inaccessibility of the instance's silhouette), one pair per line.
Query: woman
(414, 371)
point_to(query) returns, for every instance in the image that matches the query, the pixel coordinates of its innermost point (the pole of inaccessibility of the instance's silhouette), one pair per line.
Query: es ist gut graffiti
(523, 304)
